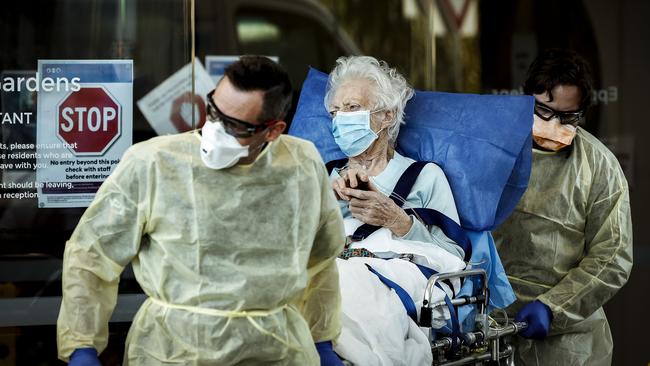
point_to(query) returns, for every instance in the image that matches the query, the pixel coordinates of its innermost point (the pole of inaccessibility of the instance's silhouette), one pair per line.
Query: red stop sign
(90, 118)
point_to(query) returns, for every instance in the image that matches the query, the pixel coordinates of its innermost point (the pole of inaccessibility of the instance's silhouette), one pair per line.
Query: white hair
(391, 90)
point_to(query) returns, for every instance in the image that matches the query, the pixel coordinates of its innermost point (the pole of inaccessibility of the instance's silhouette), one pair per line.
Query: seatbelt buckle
(407, 257)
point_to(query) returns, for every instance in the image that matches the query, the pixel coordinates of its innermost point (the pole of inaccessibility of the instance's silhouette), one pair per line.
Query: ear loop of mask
(378, 132)
(383, 128)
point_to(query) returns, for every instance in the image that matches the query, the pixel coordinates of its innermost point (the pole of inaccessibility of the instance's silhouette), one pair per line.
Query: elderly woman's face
(354, 95)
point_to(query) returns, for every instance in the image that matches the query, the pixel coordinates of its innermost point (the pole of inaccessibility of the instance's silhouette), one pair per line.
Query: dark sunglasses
(234, 126)
(566, 118)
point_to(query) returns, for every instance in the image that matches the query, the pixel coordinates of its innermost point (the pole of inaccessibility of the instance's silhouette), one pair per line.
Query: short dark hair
(558, 66)
(261, 73)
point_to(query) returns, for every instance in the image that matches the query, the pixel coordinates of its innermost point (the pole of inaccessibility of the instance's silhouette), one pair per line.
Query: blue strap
(455, 325)
(409, 305)
(406, 299)
(429, 216)
(406, 181)
(364, 231)
(426, 271)
(400, 192)
(448, 226)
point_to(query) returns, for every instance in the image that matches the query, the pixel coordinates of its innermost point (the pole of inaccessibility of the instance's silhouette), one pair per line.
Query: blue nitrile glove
(84, 357)
(538, 316)
(327, 355)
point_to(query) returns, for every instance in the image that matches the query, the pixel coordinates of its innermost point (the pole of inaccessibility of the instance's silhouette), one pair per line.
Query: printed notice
(82, 133)
(171, 107)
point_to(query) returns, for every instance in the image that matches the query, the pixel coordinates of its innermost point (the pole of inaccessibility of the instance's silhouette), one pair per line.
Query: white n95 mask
(220, 150)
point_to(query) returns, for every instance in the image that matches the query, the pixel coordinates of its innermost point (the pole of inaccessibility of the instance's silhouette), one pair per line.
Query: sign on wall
(83, 129)
(171, 107)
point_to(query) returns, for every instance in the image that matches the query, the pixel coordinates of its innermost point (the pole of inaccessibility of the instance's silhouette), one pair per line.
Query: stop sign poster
(82, 131)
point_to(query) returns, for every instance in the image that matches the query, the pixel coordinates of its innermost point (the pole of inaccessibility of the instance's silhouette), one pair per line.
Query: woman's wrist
(402, 224)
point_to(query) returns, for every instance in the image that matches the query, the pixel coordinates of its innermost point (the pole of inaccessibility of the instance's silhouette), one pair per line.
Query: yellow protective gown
(261, 237)
(569, 244)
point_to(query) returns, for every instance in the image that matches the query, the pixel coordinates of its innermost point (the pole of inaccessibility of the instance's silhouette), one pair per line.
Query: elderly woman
(366, 99)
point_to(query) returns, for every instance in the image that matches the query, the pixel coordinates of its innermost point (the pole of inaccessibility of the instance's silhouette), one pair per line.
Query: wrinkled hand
(538, 316)
(327, 355)
(350, 178)
(374, 208)
(84, 357)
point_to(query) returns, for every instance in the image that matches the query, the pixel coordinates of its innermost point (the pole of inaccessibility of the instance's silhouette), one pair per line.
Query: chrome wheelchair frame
(486, 344)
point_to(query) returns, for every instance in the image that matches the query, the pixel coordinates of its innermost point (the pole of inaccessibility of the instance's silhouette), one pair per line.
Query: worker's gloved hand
(327, 355)
(538, 316)
(84, 357)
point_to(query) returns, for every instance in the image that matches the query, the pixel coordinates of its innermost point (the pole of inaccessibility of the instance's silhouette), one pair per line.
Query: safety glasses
(566, 118)
(233, 126)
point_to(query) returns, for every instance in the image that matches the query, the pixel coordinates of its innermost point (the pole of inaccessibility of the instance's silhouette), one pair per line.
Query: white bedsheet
(376, 328)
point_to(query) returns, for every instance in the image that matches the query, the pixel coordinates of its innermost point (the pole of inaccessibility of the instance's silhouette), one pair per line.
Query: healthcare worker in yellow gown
(232, 233)
(567, 248)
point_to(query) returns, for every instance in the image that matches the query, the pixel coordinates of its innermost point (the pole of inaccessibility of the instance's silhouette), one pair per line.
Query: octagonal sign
(91, 118)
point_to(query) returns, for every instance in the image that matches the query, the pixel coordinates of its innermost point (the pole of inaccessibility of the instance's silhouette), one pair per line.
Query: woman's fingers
(352, 178)
(362, 195)
(356, 177)
(372, 207)
(339, 186)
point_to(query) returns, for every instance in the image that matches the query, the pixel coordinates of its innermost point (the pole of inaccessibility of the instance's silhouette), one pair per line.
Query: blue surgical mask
(352, 132)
